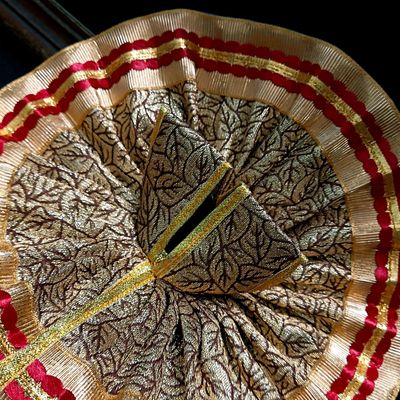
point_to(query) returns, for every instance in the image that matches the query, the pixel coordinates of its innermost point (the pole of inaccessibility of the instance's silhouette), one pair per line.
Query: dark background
(369, 34)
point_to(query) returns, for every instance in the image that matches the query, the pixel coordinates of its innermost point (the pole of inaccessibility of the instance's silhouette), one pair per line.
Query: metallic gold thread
(4, 343)
(189, 208)
(17, 361)
(32, 388)
(379, 331)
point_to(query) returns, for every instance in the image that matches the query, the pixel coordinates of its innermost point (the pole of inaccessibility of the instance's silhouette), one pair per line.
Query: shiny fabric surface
(124, 275)
(74, 218)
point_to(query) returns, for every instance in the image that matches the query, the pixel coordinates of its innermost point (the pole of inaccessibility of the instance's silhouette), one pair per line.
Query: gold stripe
(167, 261)
(282, 275)
(27, 383)
(379, 331)
(211, 54)
(189, 208)
(246, 61)
(145, 54)
(160, 117)
(17, 361)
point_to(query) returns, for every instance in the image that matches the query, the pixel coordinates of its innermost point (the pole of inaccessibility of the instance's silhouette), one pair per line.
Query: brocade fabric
(87, 210)
(198, 207)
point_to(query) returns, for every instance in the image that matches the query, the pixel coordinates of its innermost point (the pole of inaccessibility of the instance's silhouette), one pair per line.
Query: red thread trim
(206, 42)
(347, 129)
(37, 371)
(376, 361)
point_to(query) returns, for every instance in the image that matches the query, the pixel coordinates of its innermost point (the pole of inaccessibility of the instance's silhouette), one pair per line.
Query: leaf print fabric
(78, 217)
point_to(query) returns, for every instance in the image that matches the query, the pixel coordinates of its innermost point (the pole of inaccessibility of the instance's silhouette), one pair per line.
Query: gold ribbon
(15, 363)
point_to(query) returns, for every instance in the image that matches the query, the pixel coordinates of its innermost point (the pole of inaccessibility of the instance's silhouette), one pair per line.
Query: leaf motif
(75, 217)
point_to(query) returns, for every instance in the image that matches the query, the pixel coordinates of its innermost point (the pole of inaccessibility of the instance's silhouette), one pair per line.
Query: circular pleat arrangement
(291, 295)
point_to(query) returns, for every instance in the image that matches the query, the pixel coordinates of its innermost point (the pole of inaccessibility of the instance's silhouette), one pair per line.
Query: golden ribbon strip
(282, 275)
(32, 388)
(157, 126)
(189, 208)
(166, 262)
(14, 365)
(17, 361)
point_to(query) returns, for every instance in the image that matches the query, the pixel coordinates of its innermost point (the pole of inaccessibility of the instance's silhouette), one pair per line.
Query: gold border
(348, 169)
(232, 59)
(380, 330)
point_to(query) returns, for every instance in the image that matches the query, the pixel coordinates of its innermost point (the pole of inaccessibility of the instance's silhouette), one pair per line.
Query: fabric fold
(245, 251)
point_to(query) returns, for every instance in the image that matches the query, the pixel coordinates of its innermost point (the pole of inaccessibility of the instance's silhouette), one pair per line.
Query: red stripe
(368, 386)
(205, 42)
(347, 129)
(37, 371)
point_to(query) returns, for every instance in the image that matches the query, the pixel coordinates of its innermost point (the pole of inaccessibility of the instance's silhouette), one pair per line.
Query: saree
(198, 207)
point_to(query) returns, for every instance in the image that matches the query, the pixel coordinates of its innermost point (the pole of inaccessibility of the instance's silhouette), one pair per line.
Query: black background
(367, 33)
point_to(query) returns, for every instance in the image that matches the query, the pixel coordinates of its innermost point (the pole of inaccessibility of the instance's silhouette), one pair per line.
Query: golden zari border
(347, 167)
(244, 61)
(379, 331)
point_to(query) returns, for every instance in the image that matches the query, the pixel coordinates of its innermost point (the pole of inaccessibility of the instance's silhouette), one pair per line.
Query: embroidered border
(35, 382)
(359, 127)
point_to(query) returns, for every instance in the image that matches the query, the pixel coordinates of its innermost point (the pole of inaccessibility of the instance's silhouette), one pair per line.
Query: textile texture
(254, 185)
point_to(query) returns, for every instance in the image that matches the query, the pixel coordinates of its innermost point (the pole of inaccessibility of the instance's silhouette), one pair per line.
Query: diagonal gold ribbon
(15, 363)
(254, 62)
